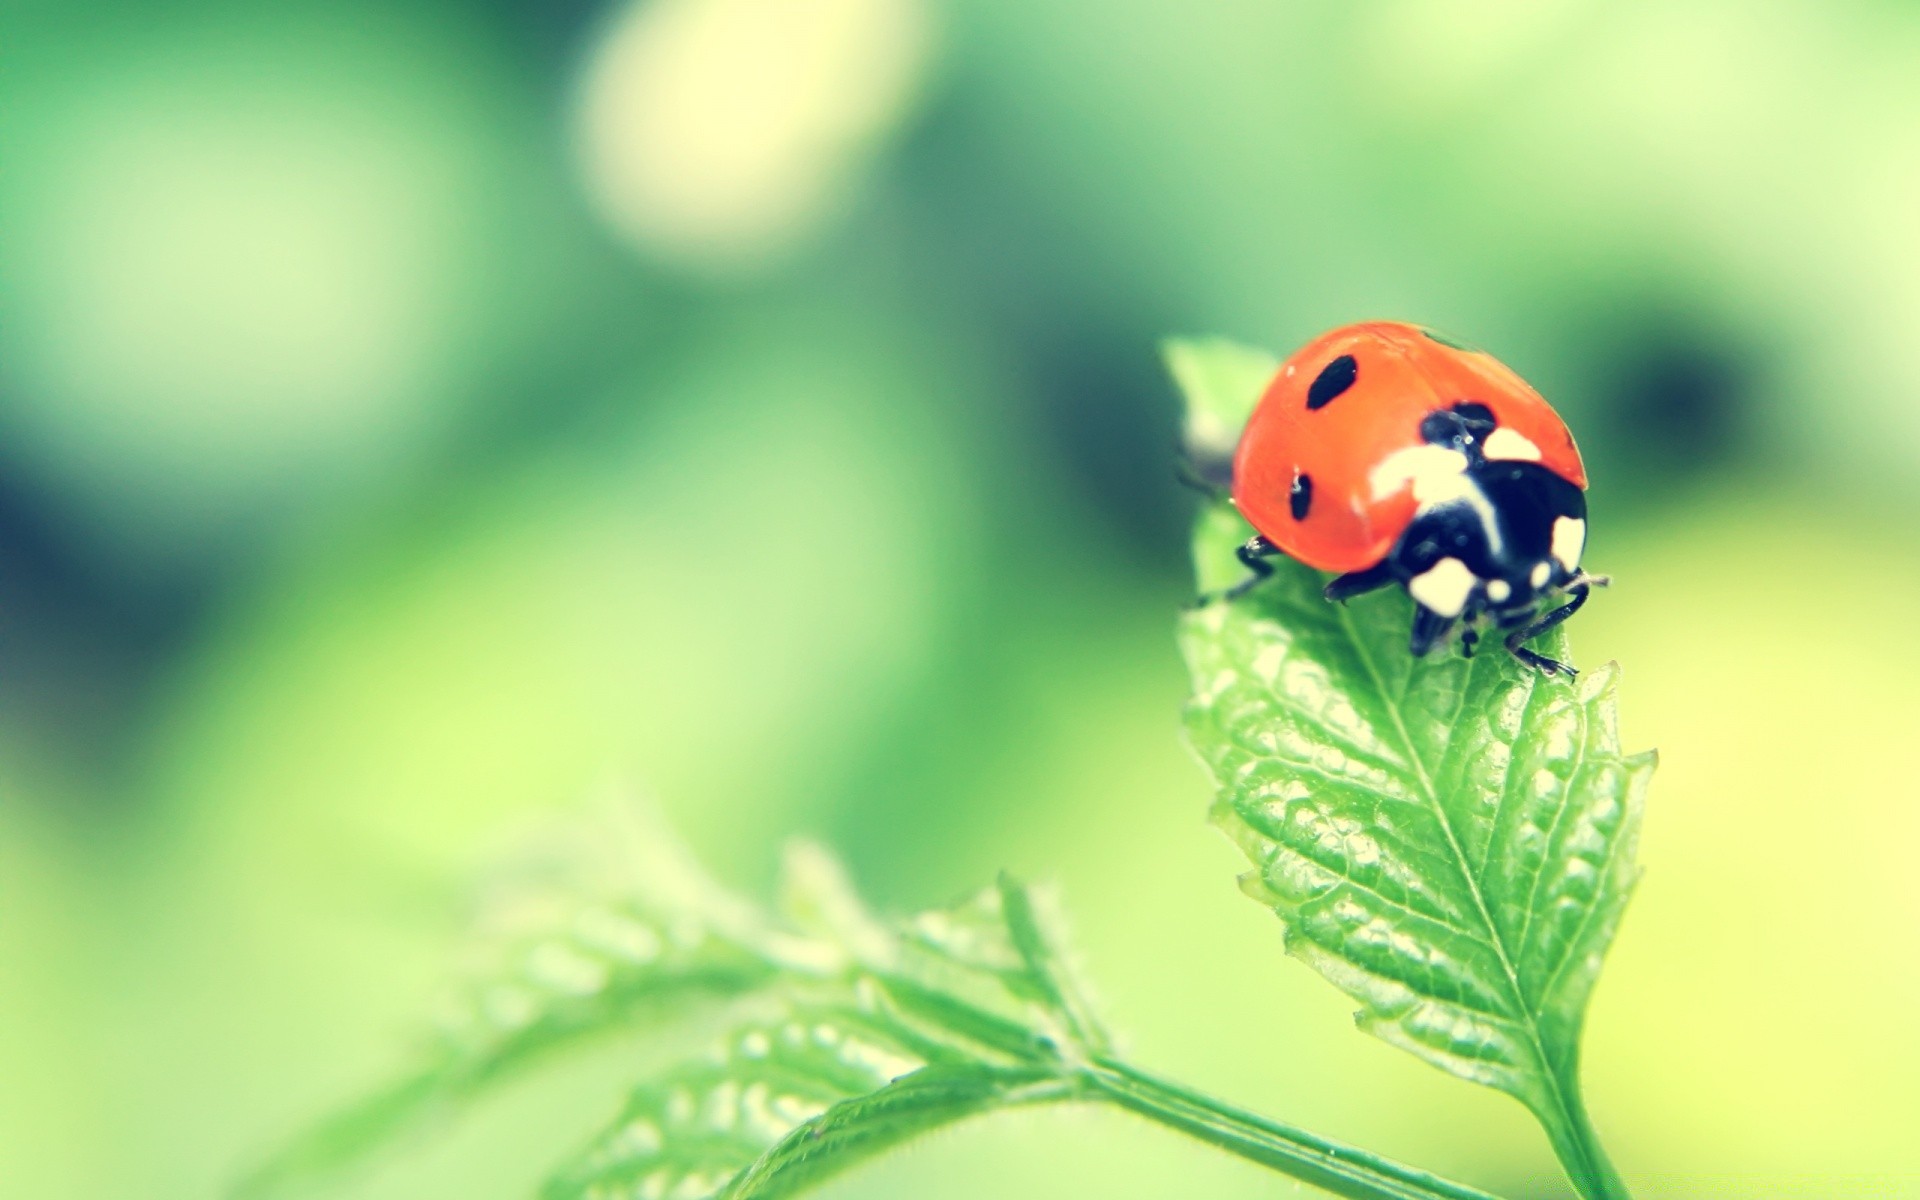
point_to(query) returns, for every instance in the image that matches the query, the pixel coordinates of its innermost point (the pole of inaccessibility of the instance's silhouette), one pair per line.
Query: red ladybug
(1389, 454)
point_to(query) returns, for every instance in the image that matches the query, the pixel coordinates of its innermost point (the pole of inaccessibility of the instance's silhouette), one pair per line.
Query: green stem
(1338, 1168)
(1578, 1148)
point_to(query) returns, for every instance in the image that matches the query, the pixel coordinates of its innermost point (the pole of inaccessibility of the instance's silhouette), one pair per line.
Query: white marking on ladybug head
(1499, 591)
(1444, 587)
(1505, 444)
(1542, 571)
(1569, 541)
(1437, 473)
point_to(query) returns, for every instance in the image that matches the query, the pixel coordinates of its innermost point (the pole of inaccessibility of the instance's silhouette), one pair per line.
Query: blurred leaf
(784, 1103)
(844, 1033)
(938, 1018)
(1058, 990)
(1221, 380)
(1449, 841)
(609, 928)
(614, 927)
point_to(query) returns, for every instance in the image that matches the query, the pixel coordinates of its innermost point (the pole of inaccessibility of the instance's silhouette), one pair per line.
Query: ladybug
(1389, 454)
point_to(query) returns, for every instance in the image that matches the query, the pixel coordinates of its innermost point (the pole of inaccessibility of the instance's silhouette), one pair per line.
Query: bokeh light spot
(235, 265)
(715, 133)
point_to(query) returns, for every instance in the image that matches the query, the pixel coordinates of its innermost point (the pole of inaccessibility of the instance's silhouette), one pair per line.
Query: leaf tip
(1176, 349)
(1255, 887)
(1220, 381)
(1599, 683)
(817, 893)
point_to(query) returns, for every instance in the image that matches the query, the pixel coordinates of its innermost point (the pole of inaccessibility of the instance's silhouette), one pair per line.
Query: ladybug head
(1498, 540)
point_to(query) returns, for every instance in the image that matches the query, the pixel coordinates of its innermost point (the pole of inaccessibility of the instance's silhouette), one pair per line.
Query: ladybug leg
(1254, 553)
(1357, 583)
(1470, 625)
(1577, 594)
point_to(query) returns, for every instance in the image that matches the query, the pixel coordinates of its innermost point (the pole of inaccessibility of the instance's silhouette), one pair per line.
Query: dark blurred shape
(1112, 433)
(1084, 348)
(82, 640)
(549, 34)
(1676, 398)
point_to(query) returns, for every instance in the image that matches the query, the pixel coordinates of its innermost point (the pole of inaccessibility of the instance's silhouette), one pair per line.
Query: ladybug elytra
(1388, 454)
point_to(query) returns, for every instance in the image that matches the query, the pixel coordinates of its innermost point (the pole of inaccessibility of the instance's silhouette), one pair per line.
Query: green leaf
(951, 1013)
(613, 926)
(782, 1104)
(606, 927)
(1030, 924)
(846, 1033)
(905, 1107)
(1449, 841)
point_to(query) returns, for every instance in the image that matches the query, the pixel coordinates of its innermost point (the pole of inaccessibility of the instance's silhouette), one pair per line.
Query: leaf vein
(1553, 830)
(1571, 953)
(1316, 724)
(1342, 871)
(1534, 693)
(1530, 1024)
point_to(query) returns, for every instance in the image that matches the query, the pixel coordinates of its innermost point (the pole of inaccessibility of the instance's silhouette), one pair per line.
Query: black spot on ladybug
(1455, 426)
(1477, 415)
(1334, 379)
(1300, 496)
(1451, 343)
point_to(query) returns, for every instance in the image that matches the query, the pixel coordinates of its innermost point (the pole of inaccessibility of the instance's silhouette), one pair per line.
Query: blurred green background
(417, 415)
